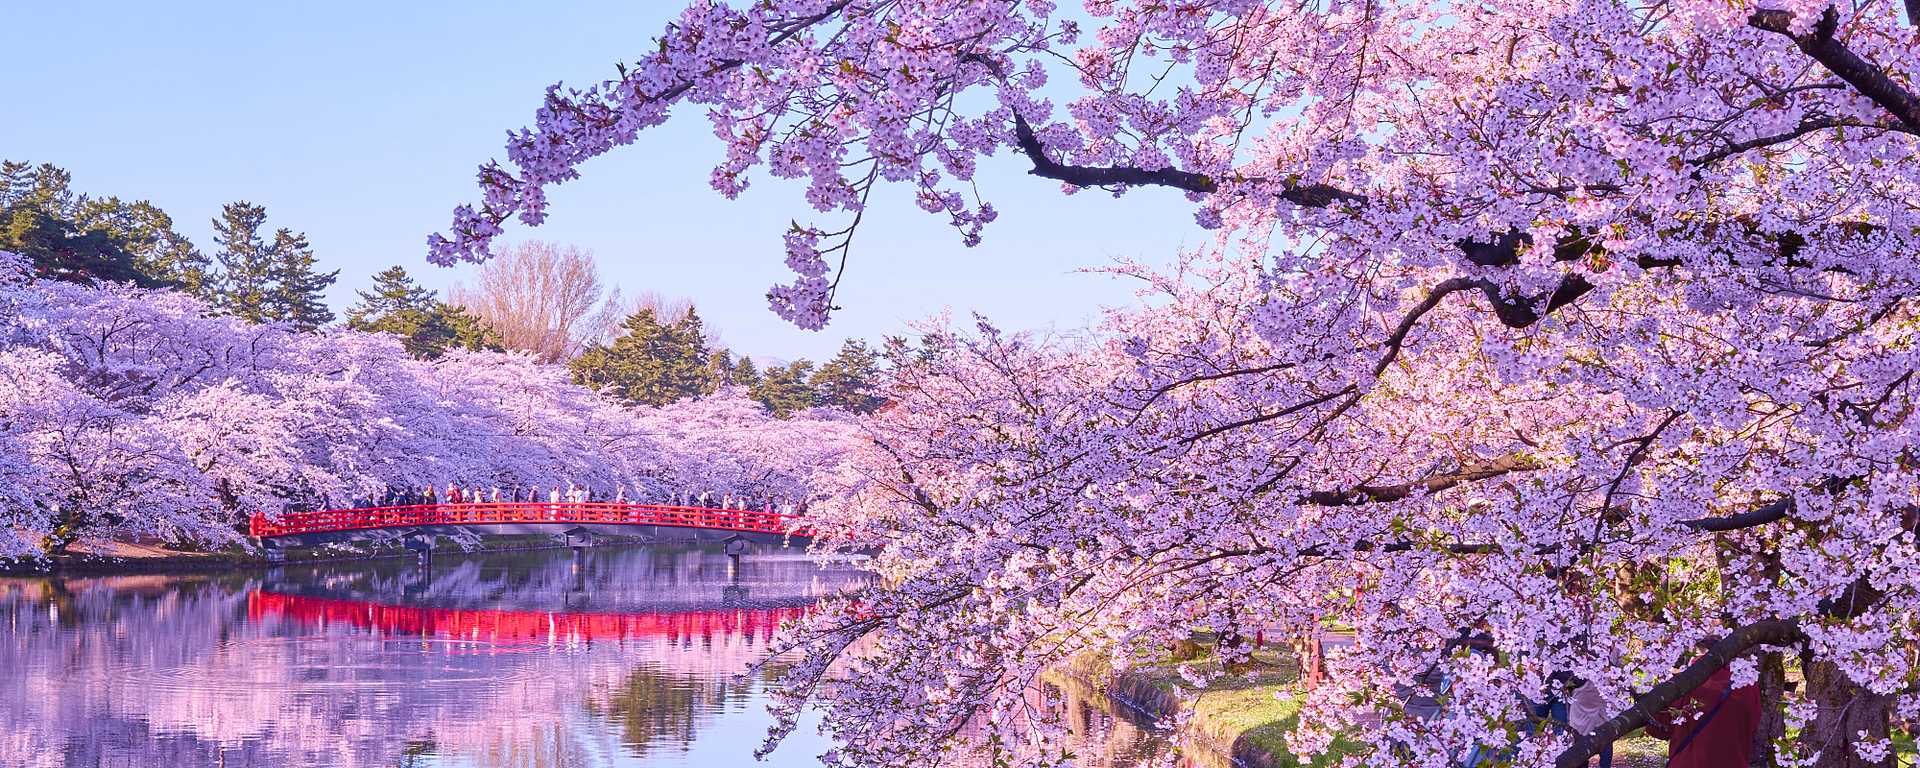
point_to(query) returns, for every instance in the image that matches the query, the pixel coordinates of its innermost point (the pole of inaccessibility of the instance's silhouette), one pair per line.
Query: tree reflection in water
(546, 659)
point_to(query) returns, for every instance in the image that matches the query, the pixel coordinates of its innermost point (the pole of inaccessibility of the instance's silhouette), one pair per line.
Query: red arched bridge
(516, 513)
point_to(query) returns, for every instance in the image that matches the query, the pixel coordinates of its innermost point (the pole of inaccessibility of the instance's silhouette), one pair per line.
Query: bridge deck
(506, 513)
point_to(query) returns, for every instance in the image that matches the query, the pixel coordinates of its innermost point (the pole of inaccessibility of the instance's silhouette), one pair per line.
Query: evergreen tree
(427, 327)
(394, 293)
(694, 359)
(720, 368)
(146, 232)
(41, 218)
(246, 263)
(849, 379)
(263, 281)
(784, 390)
(744, 374)
(650, 362)
(299, 290)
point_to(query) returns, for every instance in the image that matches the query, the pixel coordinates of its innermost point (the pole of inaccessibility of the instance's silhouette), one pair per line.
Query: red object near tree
(1710, 727)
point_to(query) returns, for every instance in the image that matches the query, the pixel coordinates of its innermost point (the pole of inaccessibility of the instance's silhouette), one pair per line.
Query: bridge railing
(499, 513)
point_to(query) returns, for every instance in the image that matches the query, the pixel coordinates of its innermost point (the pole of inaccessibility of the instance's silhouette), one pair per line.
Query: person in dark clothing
(1710, 727)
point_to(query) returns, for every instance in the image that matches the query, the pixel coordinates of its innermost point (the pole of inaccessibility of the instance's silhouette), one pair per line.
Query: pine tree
(394, 293)
(694, 361)
(650, 362)
(784, 390)
(263, 281)
(744, 374)
(38, 212)
(246, 262)
(299, 290)
(16, 178)
(427, 327)
(720, 368)
(849, 379)
(146, 232)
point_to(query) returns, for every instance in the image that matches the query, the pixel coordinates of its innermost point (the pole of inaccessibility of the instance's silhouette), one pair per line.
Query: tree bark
(1844, 711)
(1773, 717)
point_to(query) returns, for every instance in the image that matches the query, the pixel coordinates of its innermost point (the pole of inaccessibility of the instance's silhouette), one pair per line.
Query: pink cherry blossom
(1583, 326)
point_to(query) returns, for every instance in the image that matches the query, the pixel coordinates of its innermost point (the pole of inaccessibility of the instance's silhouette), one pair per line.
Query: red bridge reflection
(519, 626)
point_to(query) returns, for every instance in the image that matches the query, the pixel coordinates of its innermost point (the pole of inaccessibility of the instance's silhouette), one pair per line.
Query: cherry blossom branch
(1820, 43)
(1649, 704)
(1858, 598)
(1368, 494)
(1102, 176)
(1752, 518)
(1804, 128)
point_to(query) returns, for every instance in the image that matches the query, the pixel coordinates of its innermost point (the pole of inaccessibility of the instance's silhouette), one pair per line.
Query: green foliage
(848, 380)
(654, 363)
(247, 267)
(784, 389)
(159, 252)
(651, 362)
(263, 281)
(81, 239)
(744, 373)
(299, 288)
(427, 327)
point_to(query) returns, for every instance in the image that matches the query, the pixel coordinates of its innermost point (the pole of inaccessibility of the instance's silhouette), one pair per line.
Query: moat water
(634, 657)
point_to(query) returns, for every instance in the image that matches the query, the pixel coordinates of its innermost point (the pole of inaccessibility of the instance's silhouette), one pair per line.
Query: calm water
(610, 657)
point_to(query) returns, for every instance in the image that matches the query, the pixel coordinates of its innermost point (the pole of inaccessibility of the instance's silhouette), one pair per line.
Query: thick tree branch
(1766, 632)
(1102, 176)
(1752, 518)
(1821, 44)
(1368, 494)
(1412, 318)
(1858, 598)
(1805, 127)
(1504, 249)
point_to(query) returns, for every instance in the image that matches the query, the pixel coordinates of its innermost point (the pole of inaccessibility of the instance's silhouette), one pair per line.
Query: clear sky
(361, 124)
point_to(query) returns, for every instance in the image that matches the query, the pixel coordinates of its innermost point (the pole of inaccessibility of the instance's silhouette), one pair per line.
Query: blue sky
(361, 123)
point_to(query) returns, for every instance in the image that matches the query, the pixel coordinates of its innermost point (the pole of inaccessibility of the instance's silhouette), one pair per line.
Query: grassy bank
(1244, 716)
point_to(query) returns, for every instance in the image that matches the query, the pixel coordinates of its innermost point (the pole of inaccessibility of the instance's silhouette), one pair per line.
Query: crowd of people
(453, 493)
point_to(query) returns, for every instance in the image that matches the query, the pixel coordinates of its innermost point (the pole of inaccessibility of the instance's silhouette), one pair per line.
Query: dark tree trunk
(1845, 711)
(1773, 719)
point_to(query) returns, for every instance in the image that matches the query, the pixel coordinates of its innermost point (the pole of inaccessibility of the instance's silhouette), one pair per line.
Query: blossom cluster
(1584, 328)
(128, 413)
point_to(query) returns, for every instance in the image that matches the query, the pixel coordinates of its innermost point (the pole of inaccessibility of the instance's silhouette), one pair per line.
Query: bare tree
(540, 297)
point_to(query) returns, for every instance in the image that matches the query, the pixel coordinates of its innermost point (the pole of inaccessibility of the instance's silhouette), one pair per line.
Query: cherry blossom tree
(730, 445)
(130, 413)
(1582, 326)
